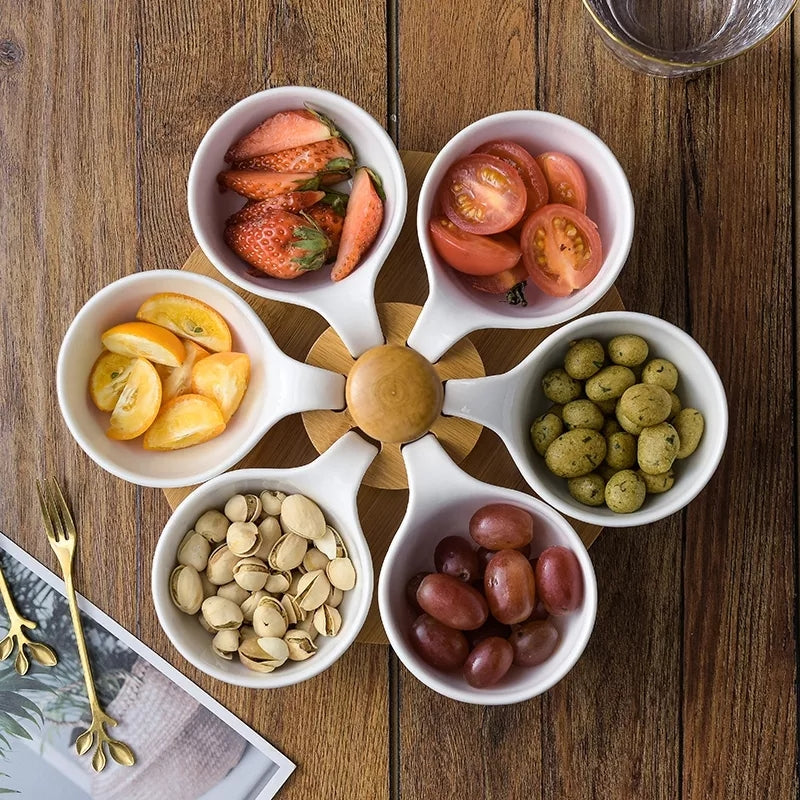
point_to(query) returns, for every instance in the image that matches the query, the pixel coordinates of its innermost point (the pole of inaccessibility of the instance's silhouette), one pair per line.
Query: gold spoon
(40, 653)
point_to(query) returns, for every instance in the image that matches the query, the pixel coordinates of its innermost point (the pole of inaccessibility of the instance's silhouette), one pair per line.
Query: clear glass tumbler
(677, 37)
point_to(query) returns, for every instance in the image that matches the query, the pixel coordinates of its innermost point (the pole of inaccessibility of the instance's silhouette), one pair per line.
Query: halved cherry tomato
(510, 282)
(483, 194)
(471, 253)
(530, 172)
(565, 180)
(561, 249)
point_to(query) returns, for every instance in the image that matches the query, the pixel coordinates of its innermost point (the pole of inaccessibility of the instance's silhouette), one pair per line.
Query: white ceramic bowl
(332, 481)
(279, 385)
(442, 498)
(508, 404)
(349, 305)
(453, 309)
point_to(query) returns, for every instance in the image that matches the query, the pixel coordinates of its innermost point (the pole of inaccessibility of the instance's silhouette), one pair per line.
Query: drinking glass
(678, 37)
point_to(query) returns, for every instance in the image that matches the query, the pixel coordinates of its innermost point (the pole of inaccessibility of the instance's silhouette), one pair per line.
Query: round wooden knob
(393, 393)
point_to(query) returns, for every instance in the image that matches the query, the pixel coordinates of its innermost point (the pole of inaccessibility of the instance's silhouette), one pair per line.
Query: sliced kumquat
(107, 379)
(138, 403)
(185, 421)
(145, 340)
(187, 317)
(178, 381)
(223, 377)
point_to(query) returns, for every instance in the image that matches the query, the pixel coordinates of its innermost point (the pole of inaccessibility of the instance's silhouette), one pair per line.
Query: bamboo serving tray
(402, 284)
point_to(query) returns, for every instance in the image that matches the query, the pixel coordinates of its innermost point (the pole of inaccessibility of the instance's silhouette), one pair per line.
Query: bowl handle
(356, 322)
(438, 327)
(488, 401)
(429, 468)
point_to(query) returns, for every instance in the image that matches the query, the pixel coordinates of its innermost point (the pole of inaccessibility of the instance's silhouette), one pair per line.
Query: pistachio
(204, 625)
(225, 643)
(314, 559)
(294, 613)
(341, 549)
(220, 565)
(233, 592)
(247, 632)
(251, 574)
(250, 604)
(253, 507)
(287, 553)
(236, 508)
(275, 648)
(299, 645)
(221, 613)
(271, 502)
(208, 587)
(293, 585)
(341, 573)
(186, 589)
(302, 516)
(270, 618)
(327, 620)
(213, 525)
(270, 530)
(278, 582)
(307, 625)
(194, 551)
(262, 654)
(335, 597)
(243, 538)
(326, 543)
(313, 589)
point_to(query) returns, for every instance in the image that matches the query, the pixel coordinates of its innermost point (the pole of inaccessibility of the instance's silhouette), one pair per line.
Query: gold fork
(63, 538)
(40, 653)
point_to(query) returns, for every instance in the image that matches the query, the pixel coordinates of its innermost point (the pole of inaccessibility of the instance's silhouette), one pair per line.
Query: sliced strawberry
(331, 155)
(261, 185)
(361, 223)
(328, 216)
(280, 132)
(293, 201)
(330, 178)
(279, 243)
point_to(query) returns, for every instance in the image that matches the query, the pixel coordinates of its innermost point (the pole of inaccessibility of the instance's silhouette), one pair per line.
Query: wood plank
(196, 61)
(68, 206)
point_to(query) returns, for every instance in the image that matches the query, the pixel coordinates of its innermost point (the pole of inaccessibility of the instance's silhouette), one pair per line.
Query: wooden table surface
(688, 686)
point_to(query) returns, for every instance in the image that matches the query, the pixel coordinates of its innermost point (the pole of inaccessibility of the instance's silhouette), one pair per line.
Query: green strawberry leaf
(376, 182)
(337, 201)
(340, 164)
(312, 243)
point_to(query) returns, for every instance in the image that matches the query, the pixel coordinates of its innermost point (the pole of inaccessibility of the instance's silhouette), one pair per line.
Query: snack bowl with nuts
(511, 402)
(442, 501)
(263, 577)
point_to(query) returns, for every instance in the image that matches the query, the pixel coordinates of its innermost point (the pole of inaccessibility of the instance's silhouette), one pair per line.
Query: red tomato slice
(525, 164)
(471, 253)
(510, 282)
(561, 249)
(483, 194)
(565, 180)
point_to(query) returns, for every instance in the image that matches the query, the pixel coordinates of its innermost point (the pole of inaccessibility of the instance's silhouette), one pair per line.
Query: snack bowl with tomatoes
(307, 113)
(508, 404)
(277, 384)
(525, 220)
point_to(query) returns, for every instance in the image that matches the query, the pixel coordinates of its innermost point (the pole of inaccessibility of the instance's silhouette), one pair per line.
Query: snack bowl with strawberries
(273, 384)
(267, 191)
(536, 194)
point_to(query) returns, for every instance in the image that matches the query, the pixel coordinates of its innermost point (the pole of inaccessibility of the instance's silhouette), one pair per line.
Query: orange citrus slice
(107, 379)
(188, 317)
(183, 421)
(145, 340)
(138, 403)
(179, 380)
(223, 377)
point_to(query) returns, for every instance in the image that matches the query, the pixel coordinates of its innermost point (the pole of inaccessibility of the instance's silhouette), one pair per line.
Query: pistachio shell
(194, 551)
(243, 538)
(253, 657)
(253, 507)
(247, 632)
(288, 552)
(270, 530)
(220, 565)
(313, 590)
(249, 605)
(341, 550)
(270, 618)
(335, 597)
(221, 613)
(233, 592)
(341, 573)
(294, 613)
(213, 525)
(185, 589)
(204, 625)
(293, 584)
(299, 645)
(251, 574)
(208, 587)
(236, 508)
(302, 516)
(307, 625)
(326, 544)
(225, 643)
(314, 559)
(327, 620)
(276, 649)
(271, 502)
(278, 582)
